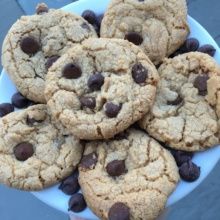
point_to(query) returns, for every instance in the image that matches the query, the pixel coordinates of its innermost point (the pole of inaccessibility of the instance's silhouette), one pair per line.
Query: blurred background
(202, 204)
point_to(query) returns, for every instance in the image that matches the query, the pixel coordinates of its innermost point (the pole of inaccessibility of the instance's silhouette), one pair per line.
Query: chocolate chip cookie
(34, 153)
(158, 27)
(185, 115)
(99, 88)
(35, 42)
(129, 177)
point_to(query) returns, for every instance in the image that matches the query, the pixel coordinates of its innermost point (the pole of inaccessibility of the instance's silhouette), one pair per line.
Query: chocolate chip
(88, 102)
(31, 121)
(189, 171)
(77, 203)
(72, 71)
(90, 16)
(208, 49)
(23, 151)
(134, 37)
(200, 83)
(70, 185)
(19, 101)
(182, 157)
(96, 81)
(85, 26)
(191, 44)
(116, 168)
(139, 73)
(120, 136)
(119, 211)
(41, 9)
(51, 60)
(29, 45)
(176, 101)
(6, 108)
(112, 110)
(89, 161)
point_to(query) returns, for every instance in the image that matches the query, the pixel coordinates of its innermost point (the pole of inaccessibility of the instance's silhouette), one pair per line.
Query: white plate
(206, 160)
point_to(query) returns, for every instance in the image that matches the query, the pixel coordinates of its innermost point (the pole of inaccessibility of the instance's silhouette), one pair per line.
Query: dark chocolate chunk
(96, 81)
(119, 211)
(32, 121)
(116, 168)
(191, 44)
(139, 73)
(72, 71)
(6, 108)
(89, 161)
(201, 84)
(77, 203)
(182, 157)
(208, 49)
(70, 185)
(90, 16)
(29, 45)
(112, 110)
(51, 60)
(23, 151)
(134, 37)
(19, 101)
(189, 171)
(88, 102)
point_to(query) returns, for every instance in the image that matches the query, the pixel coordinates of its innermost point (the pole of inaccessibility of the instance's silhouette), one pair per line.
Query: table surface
(202, 204)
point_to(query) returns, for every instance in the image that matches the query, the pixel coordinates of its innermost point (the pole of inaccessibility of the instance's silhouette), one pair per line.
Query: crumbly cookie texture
(149, 176)
(158, 27)
(34, 153)
(186, 111)
(34, 42)
(101, 87)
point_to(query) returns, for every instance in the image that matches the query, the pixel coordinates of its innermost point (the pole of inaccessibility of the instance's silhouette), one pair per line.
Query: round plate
(206, 160)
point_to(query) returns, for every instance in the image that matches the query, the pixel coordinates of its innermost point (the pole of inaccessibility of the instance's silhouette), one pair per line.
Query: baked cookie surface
(185, 115)
(130, 176)
(34, 153)
(101, 87)
(34, 42)
(158, 27)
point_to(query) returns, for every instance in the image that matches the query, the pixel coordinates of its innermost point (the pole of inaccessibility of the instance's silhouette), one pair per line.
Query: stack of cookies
(115, 108)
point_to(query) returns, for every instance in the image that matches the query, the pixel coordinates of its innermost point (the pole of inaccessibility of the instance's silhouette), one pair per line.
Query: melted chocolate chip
(90, 16)
(89, 161)
(6, 108)
(182, 157)
(31, 121)
(116, 168)
(23, 151)
(51, 60)
(176, 101)
(208, 49)
(85, 26)
(77, 203)
(19, 101)
(70, 185)
(96, 81)
(139, 73)
(119, 211)
(134, 38)
(112, 110)
(88, 102)
(29, 45)
(189, 171)
(201, 84)
(72, 71)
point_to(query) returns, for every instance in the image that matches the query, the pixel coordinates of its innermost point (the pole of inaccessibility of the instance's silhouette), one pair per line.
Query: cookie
(128, 177)
(158, 27)
(34, 153)
(35, 42)
(99, 88)
(185, 115)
